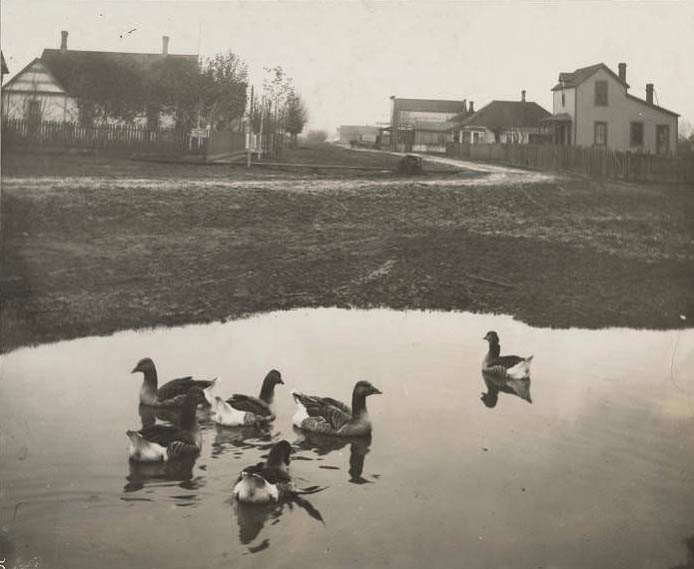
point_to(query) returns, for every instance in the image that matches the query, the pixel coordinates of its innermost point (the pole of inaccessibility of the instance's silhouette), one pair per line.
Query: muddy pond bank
(89, 255)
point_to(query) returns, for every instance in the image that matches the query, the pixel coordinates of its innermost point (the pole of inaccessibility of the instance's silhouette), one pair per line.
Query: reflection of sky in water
(596, 472)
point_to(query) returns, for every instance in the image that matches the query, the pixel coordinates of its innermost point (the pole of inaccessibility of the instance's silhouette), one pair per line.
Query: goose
(331, 417)
(503, 370)
(267, 481)
(157, 443)
(172, 393)
(241, 410)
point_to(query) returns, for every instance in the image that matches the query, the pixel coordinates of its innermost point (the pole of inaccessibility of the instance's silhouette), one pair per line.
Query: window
(636, 136)
(600, 138)
(601, 93)
(662, 139)
(563, 99)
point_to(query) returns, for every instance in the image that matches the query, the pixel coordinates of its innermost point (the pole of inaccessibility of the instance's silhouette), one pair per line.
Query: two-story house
(592, 107)
(422, 124)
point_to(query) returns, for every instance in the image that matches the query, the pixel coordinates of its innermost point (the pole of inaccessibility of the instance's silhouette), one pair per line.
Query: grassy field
(95, 245)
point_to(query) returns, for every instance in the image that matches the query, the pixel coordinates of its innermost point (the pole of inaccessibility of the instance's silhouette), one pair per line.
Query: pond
(596, 472)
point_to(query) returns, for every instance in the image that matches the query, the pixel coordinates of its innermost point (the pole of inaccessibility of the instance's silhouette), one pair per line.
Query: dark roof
(575, 78)
(507, 114)
(71, 66)
(652, 106)
(3, 65)
(429, 105)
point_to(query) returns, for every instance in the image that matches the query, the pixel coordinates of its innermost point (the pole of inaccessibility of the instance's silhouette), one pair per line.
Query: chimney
(649, 93)
(165, 45)
(523, 95)
(471, 109)
(63, 41)
(623, 72)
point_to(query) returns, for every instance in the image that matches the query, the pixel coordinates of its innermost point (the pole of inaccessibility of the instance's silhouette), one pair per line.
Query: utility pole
(250, 131)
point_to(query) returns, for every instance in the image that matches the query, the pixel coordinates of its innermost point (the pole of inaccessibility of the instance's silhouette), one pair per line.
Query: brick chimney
(471, 108)
(623, 72)
(165, 45)
(523, 95)
(63, 41)
(649, 93)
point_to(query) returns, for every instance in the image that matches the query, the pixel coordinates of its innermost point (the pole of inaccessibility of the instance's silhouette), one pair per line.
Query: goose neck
(267, 391)
(358, 405)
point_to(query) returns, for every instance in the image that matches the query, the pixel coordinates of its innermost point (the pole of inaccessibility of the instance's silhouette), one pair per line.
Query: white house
(592, 107)
(55, 86)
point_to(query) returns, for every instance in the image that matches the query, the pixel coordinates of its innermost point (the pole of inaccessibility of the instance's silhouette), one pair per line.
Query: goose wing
(271, 475)
(175, 387)
(333, 412)
(165, 435)
(249, 404)
(506, 361)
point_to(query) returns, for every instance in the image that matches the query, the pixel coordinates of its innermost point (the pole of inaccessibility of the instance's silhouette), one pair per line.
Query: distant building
(56, 86)
(355, 134)
(423, 124)
(3, 68)
(506, 122)
(592, 107)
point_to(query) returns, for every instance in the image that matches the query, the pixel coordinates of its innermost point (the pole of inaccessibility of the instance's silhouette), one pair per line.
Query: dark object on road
(410, 165)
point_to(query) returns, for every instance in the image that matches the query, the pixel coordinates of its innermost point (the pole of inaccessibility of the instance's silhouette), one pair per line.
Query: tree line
(213, 92)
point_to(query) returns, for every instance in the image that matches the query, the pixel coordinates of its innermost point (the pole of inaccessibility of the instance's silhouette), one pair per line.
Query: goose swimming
(172, 393)
(331, 417)
(157, 443)
(241, 410)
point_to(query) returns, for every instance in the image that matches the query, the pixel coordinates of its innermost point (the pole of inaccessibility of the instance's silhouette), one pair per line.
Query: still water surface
(597, 472)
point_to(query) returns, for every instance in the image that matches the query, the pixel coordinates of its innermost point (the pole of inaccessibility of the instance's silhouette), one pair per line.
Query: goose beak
(135, 369)
(280, 381)
(376, 391)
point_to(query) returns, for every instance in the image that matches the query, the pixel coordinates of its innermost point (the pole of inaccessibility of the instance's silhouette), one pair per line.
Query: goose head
(492, 337)
(145, 365)
(280, 454)
(273, 377)
(365, 388)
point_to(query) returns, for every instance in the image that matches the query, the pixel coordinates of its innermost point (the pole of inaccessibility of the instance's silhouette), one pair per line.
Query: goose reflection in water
(518, 387)
(180, 470)
(251, 518)
(238, 439)
(149, 415)
(359, 447)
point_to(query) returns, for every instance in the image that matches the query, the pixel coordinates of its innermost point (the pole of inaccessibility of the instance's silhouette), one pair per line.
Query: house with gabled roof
(423, 124)
(592, 106)
(86, 86)
(3, 68)
(507, 122)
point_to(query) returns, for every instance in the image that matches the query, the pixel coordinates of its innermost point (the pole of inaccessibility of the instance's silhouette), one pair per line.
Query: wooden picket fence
(19, 133)
(594, 162)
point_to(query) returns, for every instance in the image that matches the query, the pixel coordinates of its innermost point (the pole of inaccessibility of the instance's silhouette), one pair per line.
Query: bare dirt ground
(95, 245)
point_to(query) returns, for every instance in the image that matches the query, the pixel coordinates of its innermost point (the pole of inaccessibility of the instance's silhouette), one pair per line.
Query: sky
(348, 58)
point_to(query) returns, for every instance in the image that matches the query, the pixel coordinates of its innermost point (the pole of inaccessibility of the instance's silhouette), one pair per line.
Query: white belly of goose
(300, 415)
(145, 451)
(227, 416)
(255, 490)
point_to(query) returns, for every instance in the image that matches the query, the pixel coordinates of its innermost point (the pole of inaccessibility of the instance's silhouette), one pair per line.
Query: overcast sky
(348, 58)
